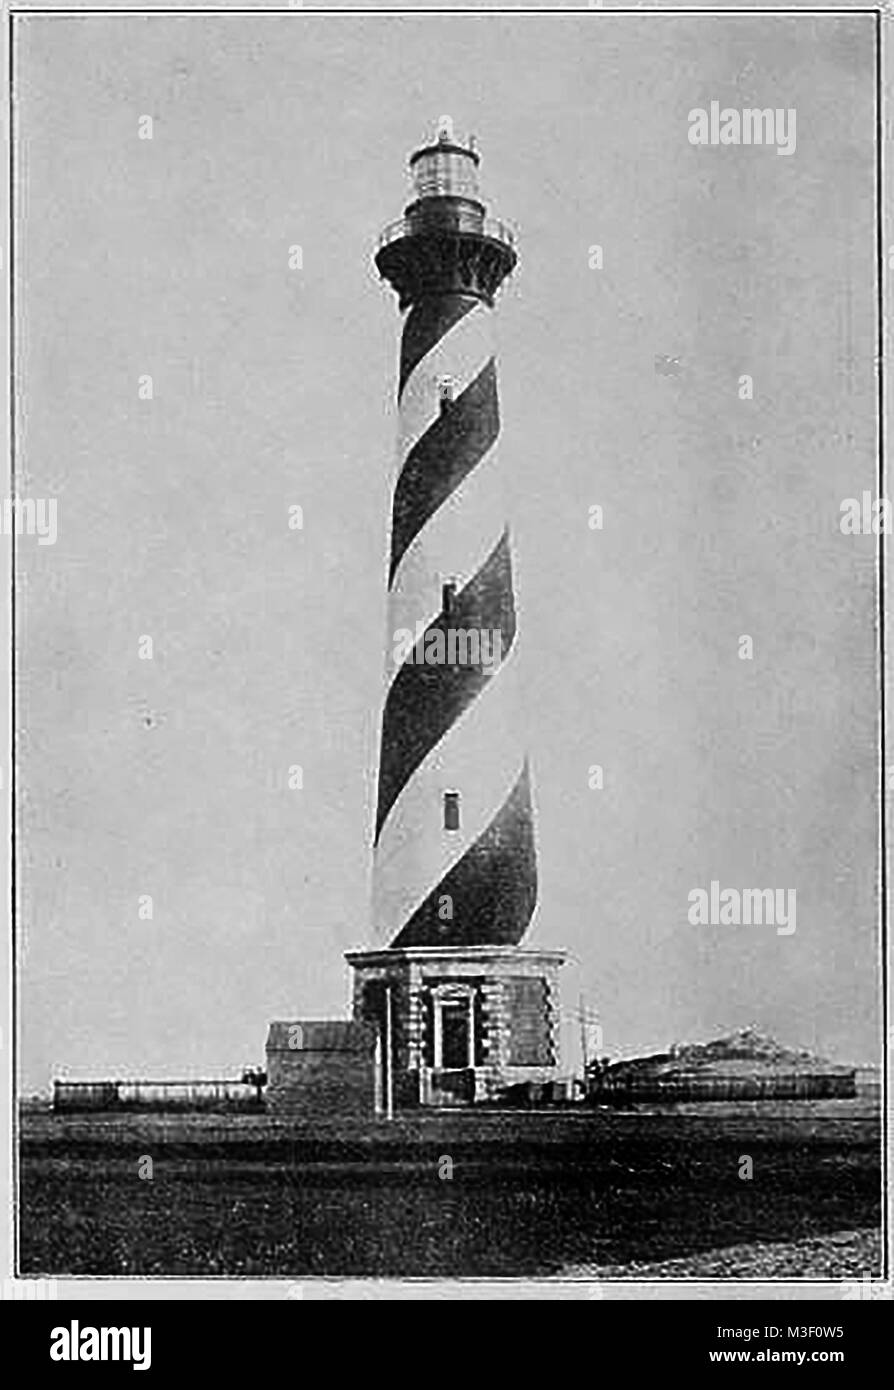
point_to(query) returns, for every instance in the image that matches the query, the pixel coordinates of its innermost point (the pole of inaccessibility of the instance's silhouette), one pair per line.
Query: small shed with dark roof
(322, 1066)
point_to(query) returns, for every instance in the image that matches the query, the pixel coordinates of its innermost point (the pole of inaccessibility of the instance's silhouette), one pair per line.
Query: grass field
(523, 1194)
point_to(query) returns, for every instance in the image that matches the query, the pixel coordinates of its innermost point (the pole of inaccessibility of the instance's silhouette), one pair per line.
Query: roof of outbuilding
(322, 1035)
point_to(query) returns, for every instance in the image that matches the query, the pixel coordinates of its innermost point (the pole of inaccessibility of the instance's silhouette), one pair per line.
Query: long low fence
(780, 1086)
(74, 1097)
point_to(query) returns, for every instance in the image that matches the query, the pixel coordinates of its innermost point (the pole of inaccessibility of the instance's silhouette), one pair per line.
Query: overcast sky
(273, 387)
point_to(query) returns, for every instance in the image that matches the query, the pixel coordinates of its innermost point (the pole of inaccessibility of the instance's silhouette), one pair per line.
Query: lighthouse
(464, 1009)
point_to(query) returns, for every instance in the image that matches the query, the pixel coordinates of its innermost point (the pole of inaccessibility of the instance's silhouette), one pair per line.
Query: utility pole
(583, 1034)
(389, 1053)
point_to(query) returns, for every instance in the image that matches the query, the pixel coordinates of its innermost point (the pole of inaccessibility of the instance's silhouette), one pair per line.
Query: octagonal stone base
(466, 1022)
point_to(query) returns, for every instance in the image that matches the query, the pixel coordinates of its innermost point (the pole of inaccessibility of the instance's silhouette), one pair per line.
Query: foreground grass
(522, 1198)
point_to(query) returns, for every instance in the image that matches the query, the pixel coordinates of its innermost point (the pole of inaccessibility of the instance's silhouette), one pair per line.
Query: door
(455, 1035)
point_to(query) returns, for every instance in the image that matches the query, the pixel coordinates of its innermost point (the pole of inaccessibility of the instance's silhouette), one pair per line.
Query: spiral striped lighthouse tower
(464, 1010)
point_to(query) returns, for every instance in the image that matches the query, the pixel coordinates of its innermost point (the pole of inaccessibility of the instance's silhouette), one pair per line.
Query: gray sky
(273, 387)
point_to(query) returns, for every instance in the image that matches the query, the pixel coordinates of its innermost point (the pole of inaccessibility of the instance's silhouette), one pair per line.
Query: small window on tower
(448, 596)
(446, 391)
(451, 810)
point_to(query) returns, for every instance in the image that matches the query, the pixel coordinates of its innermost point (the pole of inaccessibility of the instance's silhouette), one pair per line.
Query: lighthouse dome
(445, 169)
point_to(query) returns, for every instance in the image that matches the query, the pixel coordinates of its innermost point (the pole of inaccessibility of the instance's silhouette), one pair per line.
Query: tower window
(448, 595)
(451, 810)
(446, 391)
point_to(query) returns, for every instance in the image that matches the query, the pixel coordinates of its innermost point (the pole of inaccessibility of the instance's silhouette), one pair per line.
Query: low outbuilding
(746, 1065)
(322, 1067)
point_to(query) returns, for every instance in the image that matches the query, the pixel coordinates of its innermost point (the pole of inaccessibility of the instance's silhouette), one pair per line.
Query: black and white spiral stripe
(451, 727)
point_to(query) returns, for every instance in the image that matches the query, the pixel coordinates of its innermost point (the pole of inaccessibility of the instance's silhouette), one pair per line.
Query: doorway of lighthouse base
(453, 1042)
(454, 1049)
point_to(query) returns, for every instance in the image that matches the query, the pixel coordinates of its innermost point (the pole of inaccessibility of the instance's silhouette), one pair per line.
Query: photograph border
(360, 1287)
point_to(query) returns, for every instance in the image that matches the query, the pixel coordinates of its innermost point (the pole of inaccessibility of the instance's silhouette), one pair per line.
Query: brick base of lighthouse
(466, 1023)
